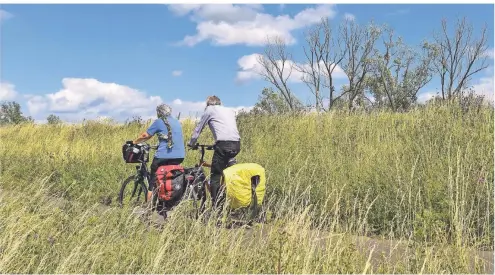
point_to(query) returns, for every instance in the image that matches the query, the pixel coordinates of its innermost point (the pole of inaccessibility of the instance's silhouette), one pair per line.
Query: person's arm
(199, 127)
(144, 136)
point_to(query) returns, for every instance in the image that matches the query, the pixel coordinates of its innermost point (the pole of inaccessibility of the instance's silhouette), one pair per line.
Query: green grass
(422, 180)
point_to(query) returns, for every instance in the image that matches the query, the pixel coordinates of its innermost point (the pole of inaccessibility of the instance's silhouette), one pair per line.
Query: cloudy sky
(85, 61)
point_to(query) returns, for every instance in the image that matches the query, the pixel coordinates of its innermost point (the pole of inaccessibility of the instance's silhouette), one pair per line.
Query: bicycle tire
(142, 187)
(198, 199)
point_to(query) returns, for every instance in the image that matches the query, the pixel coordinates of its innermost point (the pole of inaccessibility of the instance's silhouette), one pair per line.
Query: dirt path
(391, 251)
(388, 251)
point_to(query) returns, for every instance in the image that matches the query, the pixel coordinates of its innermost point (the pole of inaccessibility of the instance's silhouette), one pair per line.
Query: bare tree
(324, 53)
(277, 66)
(332, 57)
(359, 43)
(399, 72)
(312, 71)
(461, 56)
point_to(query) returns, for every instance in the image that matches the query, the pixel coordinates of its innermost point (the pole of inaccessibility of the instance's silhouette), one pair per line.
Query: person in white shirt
(223, 125)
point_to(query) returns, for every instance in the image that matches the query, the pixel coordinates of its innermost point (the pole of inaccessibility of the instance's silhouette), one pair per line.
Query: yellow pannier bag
(237, 179)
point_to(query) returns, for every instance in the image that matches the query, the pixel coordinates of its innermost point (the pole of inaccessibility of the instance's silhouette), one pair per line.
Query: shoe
(150, 194)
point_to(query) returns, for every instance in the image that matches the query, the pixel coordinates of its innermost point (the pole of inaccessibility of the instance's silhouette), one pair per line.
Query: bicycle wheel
(200, 198)
(128, 190)
(196, 196)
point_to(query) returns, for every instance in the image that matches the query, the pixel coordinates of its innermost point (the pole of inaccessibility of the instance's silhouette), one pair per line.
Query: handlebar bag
(241, 180)
(170, 181)
(132, 153)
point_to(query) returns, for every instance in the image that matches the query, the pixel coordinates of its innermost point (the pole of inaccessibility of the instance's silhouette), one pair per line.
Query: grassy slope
(409, 176)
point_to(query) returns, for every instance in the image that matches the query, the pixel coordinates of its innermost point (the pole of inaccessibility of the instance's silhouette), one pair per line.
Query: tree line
(382, 71)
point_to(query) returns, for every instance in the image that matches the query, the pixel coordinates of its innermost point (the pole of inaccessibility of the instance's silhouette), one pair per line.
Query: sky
(88, 61)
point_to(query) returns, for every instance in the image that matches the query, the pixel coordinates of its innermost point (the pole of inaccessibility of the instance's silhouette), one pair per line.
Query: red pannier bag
(170, 181)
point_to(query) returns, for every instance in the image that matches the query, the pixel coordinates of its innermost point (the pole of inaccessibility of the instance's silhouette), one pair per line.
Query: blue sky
(120, 60)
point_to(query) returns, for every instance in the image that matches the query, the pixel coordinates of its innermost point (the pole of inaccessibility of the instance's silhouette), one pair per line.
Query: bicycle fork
(137, 180)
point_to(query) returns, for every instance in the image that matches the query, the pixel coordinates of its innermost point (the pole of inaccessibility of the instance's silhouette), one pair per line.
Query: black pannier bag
(133, 153)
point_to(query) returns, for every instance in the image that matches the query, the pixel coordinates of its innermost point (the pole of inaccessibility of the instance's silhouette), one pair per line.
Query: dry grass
(422, 182)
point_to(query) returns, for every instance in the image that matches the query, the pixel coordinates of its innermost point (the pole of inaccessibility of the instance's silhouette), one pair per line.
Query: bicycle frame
(195, 181)
(142, 168)
(142, 172)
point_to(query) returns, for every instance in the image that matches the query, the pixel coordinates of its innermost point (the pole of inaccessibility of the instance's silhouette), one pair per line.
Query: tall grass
(419, 183)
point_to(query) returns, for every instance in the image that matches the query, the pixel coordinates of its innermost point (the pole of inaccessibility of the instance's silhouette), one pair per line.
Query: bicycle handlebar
(146, 145)
(203, 147)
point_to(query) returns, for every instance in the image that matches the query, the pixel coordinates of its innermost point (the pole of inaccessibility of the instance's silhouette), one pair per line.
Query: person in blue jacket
(170, 149)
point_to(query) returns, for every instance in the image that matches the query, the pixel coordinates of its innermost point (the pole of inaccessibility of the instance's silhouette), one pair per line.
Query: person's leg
(224, 151)
(230, 150)
(157, 162)
(153, 168)
(234, 148)
(218, 163)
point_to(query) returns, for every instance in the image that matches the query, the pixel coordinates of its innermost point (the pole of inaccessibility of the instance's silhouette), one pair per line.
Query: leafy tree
(10, 113)
(359, 44)
(399, 72)
(53, 120)
(135, 120)
(271, 102)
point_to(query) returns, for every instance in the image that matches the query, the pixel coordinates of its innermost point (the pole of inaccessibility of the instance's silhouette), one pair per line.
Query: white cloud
(37, 104)
(177, 73)
(7, 91)
(91, 99)
(245, 24)
(349, 16)
(183, 9)
(425, 96)
(484, 86)
(490, 53)
(217, 12)
(251, 69)
(4, 15)
(92, 94)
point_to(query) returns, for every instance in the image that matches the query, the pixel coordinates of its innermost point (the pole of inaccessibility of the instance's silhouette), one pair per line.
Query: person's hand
(192, 147)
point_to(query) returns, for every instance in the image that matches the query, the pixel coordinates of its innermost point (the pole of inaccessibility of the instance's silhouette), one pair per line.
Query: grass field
(417, 185)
